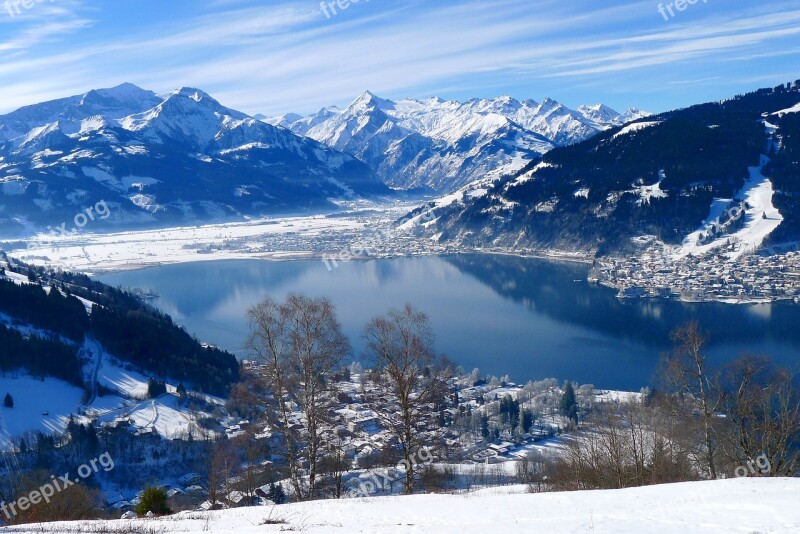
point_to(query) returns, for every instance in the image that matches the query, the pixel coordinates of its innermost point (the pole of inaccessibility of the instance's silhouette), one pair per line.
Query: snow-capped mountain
(181, 157)
(101, 104)
(283, 121)
(674, 178)
(304, 124)
(444, 145)
(600, 114)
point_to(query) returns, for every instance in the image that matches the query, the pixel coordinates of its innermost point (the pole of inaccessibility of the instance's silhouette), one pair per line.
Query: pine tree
(522, 419)
(276, 494)
(73, 429)
(569, 405)
(181, 391)
(155, 388)
(153, 500)
(92, 439)
(8, 402)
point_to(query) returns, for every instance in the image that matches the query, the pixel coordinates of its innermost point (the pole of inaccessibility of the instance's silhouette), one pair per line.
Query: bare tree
(301, 344)
(334, 465)
(269, 341)
(763, 415)
(221, 468)
(687, 372)
(255, 472)
(73, 503)
(622, 445)
(212, 472)
(410, 379)
(672, 444)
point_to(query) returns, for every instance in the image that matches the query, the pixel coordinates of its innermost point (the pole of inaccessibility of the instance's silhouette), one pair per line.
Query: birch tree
(410, 379)
(301, 344)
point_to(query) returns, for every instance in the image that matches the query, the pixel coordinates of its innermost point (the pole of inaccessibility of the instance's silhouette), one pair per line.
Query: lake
(528, 318)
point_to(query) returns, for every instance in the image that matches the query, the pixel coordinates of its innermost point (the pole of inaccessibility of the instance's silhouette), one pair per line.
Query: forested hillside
(44, 322)
(657, 177)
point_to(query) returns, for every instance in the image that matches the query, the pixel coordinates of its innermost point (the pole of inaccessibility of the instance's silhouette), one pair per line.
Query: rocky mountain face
(444, 145)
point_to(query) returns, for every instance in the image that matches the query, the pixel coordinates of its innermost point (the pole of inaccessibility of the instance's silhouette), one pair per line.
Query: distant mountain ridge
(172, 159)
(667, 178)
(185, 158)
(444, 145)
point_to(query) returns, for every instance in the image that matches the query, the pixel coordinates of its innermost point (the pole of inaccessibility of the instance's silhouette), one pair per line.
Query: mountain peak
(123, 90)
(113, 103)
(41, 137)
(178, 100)
(368, 99)
(126, 88)
(126, 93)
(501, 103)
(548, 105)
(285, 120)
(596, 107)
(632, 114)
(191, 92)
(599, 113)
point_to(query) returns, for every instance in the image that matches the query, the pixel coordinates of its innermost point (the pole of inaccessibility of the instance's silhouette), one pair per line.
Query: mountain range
(171, 159)
(184, 158)
(721, 174)
(443, 145)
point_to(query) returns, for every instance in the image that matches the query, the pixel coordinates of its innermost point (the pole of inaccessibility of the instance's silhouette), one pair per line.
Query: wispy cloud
(290, 57)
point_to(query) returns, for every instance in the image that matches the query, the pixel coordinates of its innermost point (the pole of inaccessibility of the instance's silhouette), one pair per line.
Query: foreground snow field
(734, 505)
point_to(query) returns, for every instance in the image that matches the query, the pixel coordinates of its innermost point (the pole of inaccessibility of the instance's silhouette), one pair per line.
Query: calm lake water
(528, 318)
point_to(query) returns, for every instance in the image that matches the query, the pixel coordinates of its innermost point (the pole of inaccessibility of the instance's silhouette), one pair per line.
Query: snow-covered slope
(181, 157)
(39, 405)
(753, 204)
(62, 357)
(743, 505)
(46, 404)
(304, 124)
(108, 390)
(444, 145)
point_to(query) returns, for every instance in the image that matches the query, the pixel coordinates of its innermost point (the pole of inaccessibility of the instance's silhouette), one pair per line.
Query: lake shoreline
(332, 239)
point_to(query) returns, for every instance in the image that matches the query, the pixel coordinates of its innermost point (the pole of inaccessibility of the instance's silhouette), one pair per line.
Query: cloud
(289, 57)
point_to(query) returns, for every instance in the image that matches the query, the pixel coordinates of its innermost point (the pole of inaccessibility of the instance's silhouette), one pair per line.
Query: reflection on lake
(528, 318)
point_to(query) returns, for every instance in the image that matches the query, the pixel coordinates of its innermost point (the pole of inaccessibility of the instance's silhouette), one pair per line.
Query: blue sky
(280, 56)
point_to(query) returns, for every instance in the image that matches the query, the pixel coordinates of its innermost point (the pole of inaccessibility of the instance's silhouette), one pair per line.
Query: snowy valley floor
(745, 505)
(362, 230)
